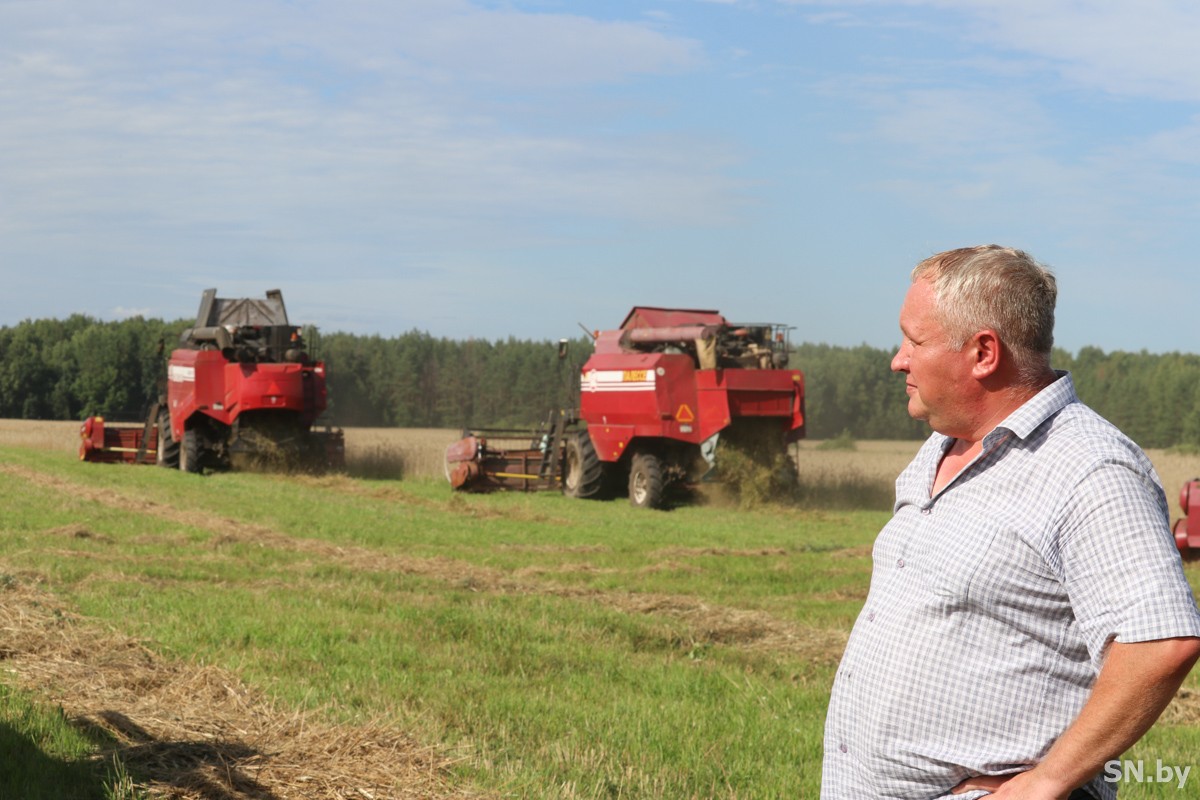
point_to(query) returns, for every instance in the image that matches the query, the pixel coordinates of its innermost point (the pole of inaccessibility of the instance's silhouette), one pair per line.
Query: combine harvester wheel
(189, 452)
(168, 448)
(646, 481)
(584, 473)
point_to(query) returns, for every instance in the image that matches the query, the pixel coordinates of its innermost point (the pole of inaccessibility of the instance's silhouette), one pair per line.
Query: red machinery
(240, 385)
(655, 398)
(117, 442)
(1187, 528)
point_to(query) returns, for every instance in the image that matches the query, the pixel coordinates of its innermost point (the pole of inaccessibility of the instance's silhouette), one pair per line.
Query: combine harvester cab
(656, 398)
(241, 390)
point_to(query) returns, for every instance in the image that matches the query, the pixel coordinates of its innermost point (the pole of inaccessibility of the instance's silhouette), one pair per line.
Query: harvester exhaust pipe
(675, 333)
(216, 334)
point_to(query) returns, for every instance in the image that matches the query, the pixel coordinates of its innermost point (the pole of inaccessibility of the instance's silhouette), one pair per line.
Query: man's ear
(988, 352)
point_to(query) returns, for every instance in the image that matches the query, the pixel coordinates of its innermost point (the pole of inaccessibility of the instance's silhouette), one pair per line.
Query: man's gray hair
(996, 288)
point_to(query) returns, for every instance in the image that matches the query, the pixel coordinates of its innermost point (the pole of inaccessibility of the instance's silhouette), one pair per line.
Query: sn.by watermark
(1138, 772)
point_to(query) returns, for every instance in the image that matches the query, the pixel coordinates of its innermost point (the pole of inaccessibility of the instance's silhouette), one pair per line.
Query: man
(1028, 618)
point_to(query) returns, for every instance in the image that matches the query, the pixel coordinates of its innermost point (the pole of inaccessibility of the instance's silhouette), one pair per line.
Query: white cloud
(1180, 146)
(951, 123)
(1030, 110)
(1144, 49)
(541, 49)
(386, 160)
(267, 115)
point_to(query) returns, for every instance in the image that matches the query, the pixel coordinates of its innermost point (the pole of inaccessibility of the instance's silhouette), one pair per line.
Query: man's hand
(1135, 684)
(1021, 786)
(989, 782)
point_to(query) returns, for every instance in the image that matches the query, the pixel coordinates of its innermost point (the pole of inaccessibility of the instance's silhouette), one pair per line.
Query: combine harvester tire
(646, 481)
(189, 452)
(584, 473)
(168, 448)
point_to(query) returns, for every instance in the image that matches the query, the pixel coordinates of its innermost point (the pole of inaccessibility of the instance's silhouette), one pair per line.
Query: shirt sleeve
(1118, 559)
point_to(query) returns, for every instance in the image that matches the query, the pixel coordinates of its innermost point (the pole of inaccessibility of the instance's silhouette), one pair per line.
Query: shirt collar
(1029, 417)
(1037, 409)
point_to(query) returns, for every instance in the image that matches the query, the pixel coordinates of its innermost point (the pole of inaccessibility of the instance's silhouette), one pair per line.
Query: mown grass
(556, 648)
(515, 629)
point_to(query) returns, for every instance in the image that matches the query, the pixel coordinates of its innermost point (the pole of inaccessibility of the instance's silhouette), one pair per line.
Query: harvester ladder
(552, 454)
(151, 422)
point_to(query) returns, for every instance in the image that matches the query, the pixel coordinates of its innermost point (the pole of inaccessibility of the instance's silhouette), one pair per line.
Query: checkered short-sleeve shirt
(992, 602)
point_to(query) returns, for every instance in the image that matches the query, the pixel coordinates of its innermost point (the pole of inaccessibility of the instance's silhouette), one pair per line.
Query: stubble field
(373, 635)
(396, 453)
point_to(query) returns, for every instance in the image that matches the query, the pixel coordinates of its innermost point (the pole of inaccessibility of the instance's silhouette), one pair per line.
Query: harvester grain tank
(656, 398)
(240, 387)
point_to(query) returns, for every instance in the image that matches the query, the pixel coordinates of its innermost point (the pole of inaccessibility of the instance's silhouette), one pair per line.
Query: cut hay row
(194, 731)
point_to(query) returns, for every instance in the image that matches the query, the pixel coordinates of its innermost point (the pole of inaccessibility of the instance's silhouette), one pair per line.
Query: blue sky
(484, 169)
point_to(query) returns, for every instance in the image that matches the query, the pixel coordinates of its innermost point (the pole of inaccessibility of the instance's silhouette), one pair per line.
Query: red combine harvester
(1187, 528)
(240, 389)
(655, 398)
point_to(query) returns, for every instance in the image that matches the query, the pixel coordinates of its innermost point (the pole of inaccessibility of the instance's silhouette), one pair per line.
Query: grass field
(263, 636)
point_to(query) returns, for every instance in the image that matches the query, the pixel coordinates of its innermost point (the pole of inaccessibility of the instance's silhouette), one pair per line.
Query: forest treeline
(69, 369)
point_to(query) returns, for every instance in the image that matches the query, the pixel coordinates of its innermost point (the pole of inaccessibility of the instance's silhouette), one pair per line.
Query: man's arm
(1135, 684)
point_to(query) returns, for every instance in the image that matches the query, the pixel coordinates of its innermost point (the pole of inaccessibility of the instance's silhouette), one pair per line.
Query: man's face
(935, 375)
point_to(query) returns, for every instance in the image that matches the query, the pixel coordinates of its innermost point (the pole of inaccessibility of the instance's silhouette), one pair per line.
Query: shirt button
(900, 563)
(843, 748)
(871, 616)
